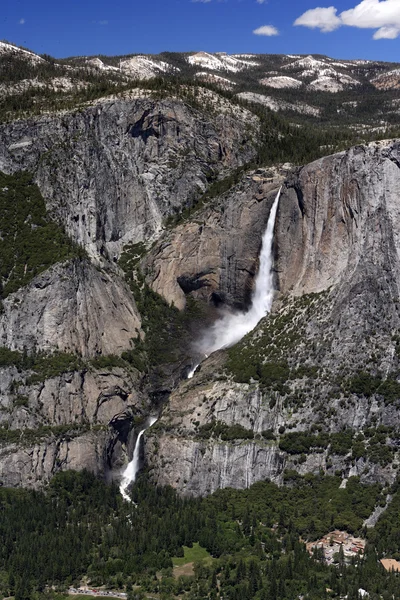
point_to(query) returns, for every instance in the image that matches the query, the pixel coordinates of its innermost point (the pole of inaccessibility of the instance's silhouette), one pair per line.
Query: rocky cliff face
(74, 420)
(34, 465)
(340, 214)
(316, 385)
(72, 307)
(65, 410)
(214, 255)
(110, 173)
(113, 171)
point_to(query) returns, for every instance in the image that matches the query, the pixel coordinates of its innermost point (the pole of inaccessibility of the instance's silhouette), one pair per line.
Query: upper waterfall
(234, 325)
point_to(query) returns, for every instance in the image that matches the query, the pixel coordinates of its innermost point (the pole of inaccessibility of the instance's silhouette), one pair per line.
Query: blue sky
(338, 28)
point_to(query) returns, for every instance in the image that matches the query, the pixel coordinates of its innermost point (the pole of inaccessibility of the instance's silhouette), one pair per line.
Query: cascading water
(193, 370)
(233, 326)
(129, 475)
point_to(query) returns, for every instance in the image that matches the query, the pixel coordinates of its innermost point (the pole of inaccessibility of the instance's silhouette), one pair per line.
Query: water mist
(230, 328)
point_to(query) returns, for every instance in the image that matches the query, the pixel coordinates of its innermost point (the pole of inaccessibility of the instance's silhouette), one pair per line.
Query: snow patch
(360, 62)
(281, 82)
(217, 79)
(98, 64)
(333, 84)
(142, 67)
(219, 62)
(20, 52)
(244, 55)
(276, 105)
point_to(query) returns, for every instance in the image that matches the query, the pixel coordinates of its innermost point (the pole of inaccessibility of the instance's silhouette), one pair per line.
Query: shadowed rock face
(214, 256)
(112, 172)
(336, 315)
(33, 466)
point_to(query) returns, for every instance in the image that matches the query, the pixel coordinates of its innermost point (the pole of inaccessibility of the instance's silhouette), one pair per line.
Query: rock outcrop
(324, 366)
(340, 214)
(75, 420)
(213, 256)
(34, 465)
(111, 172)
(72, 307)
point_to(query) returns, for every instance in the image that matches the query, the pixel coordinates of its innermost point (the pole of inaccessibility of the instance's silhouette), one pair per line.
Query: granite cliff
(110, 173)
(315, 386)
(213, 256)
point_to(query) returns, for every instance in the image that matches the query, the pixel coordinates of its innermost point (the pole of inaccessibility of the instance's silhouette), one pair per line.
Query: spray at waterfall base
(229, 329)
(225, 332)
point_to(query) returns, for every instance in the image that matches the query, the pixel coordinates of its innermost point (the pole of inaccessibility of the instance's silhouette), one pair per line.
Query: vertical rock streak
(233, 326)
(129, 475)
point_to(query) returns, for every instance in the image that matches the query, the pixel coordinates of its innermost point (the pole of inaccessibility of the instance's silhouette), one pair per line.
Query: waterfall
(129, 475)
(192, 371)
(229, 329)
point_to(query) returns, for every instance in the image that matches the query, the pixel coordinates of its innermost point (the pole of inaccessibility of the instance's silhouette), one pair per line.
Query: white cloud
(21, 22)
(203, 1)
(267, 30)
(261, 1)
(370, 14)
(386, 33)
(383, 15)
(325, 19)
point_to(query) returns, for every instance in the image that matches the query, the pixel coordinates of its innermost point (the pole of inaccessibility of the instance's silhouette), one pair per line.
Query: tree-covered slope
(254, 540)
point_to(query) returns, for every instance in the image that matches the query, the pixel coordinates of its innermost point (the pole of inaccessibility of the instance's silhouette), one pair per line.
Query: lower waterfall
(230, 328)
(129, 475)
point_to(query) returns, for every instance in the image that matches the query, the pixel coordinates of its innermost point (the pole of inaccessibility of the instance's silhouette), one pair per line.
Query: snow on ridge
(58, 84)
(98, 64)
(281, 82)
(315, 66)
(326, 83)
(142, 67)
(322, 72)
(217, 79)
(244, 55)
(386, 74)
(10, 49)
(276, 105)
(359, 61)
(308, 62)
(344, 64)
(326, 77)
(219, 62)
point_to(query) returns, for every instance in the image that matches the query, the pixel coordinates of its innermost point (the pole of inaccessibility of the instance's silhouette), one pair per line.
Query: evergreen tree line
(80, 526)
